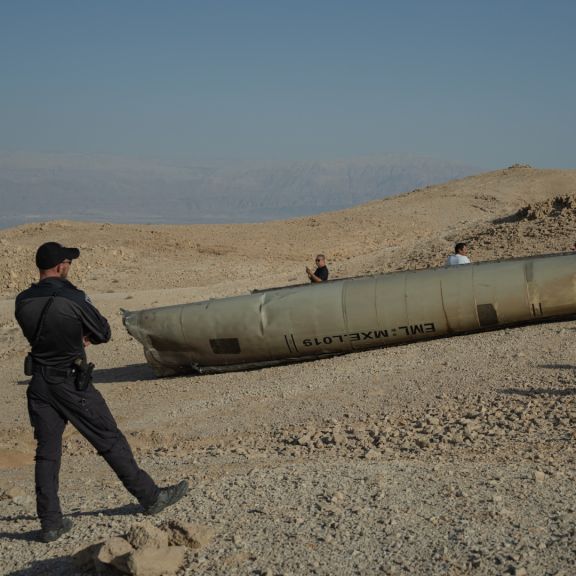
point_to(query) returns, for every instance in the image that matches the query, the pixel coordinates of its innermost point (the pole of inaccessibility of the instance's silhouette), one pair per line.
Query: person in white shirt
(459, 256)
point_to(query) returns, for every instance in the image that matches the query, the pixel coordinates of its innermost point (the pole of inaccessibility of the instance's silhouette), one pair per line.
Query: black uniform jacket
(70, 317)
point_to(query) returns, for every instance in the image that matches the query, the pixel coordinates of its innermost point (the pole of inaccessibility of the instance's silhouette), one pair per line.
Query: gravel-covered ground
(446, 457)
(392, 470)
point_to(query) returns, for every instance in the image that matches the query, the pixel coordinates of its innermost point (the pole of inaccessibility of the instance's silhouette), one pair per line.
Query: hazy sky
(489, 82)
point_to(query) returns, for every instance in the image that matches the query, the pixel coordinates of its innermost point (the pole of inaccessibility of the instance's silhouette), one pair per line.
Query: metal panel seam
(444, 307)
(343, 303)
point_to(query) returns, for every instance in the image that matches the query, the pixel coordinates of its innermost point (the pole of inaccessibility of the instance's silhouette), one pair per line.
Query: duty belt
(52, 372)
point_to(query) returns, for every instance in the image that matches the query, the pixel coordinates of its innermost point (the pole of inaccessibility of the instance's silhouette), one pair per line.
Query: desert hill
(412, 230)
(448, 457)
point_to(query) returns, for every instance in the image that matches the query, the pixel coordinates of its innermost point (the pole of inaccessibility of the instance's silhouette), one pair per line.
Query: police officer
(59, 321)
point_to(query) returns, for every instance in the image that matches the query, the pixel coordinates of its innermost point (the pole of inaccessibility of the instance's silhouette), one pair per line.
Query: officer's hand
(86, 341)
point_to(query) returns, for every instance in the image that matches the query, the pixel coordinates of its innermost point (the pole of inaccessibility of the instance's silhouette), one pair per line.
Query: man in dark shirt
(59, 321)
(321, 272)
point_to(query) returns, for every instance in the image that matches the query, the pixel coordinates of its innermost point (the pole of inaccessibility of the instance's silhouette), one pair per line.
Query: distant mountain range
(39, 187)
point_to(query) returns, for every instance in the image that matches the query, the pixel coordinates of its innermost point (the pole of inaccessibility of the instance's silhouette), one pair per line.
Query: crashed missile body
(309, 321)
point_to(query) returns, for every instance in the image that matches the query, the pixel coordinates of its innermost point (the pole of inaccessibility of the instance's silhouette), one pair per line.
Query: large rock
(156, 561)
(190, 535)
(145, 550)
(146, 535)
(86, 559)
(115, 551)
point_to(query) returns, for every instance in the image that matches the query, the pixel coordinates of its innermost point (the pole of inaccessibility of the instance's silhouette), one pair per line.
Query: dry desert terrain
(446, 457)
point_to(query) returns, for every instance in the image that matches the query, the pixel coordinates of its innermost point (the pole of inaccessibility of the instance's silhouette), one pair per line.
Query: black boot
(51, 535)
(167, 496)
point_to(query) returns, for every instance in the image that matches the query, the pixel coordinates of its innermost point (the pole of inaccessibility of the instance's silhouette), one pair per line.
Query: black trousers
(51, 404)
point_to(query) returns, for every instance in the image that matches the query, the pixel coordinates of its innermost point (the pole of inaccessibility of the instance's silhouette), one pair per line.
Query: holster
(28, 365)
(83, 371)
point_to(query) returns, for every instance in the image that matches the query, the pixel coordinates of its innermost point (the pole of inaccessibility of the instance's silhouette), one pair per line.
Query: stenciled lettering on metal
(303, 322)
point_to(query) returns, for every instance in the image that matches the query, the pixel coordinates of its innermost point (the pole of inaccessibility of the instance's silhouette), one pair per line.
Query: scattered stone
(12, 492)
(539, 476)
(372, 454)
(18, 496)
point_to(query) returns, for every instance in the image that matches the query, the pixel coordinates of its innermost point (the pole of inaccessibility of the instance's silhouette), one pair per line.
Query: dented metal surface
(303, 322)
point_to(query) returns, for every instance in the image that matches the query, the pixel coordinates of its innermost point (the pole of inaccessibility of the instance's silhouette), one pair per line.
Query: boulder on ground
(146, 535)
(156, 561)
(190, 535)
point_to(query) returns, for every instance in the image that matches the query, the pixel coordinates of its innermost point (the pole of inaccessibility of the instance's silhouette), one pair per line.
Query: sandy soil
(453, 456)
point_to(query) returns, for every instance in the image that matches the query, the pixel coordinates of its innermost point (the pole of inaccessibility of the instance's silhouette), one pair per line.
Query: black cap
(51, 254)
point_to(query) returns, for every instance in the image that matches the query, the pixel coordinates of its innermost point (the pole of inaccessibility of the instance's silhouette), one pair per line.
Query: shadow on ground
(50, 566)
(131, 373)
(558, 366)
(32, 536)
(539, 391)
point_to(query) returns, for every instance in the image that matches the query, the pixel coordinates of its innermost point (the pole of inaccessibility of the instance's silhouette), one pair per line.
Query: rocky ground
(447, 457)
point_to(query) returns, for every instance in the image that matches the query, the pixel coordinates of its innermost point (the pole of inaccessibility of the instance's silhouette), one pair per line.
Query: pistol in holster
(28, 365)
(83, 371)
